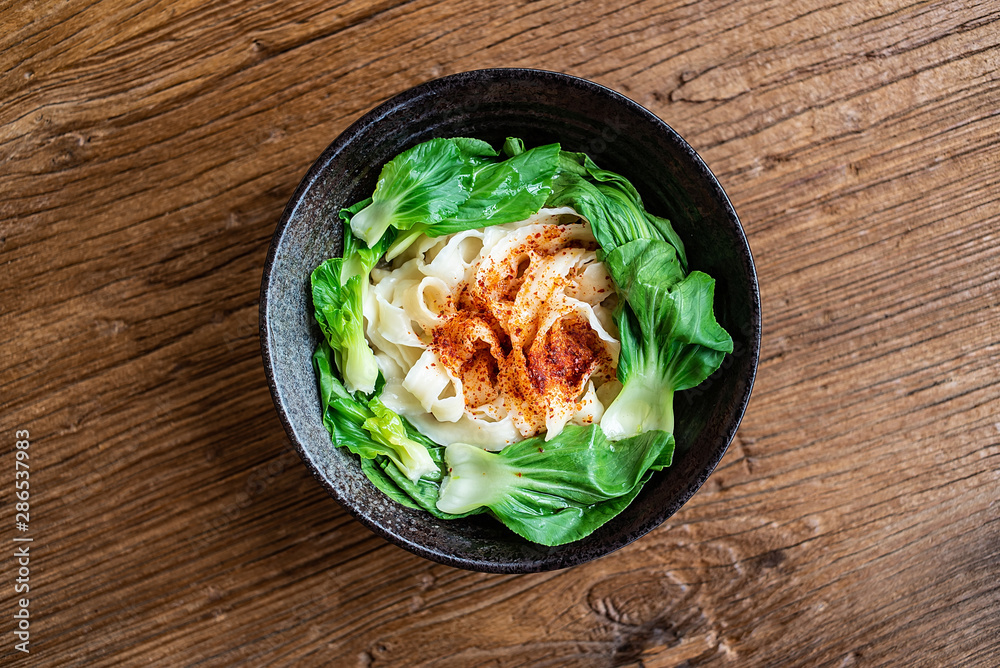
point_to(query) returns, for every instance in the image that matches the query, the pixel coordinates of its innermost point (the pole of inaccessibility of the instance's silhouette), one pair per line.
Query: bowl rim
(546, 562)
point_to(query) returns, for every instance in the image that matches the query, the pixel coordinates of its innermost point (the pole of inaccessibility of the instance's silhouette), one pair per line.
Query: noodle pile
(493, 335)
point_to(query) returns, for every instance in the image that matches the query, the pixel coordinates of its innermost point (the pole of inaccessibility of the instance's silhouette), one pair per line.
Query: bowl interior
(540, 107)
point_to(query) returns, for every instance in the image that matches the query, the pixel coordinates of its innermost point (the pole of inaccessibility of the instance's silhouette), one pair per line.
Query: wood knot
(771, 559)
(631, 646)
(637, 599)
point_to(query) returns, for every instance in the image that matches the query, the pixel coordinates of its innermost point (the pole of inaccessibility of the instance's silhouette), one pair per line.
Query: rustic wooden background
(146, 151)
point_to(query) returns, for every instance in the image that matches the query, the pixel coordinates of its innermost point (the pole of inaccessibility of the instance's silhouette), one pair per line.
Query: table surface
(146, 152)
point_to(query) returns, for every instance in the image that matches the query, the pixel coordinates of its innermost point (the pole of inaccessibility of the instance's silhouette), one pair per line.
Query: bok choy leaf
(421, 185)
(670, 339)
(501, 192)
(338, 290)
(366, 427)
(558, 491)
(610, 203)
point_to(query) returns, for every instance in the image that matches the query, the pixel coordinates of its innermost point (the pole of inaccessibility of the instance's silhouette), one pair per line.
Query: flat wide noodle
(490, 336)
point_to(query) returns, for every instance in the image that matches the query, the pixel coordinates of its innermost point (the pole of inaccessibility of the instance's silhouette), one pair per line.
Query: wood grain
(146, 151)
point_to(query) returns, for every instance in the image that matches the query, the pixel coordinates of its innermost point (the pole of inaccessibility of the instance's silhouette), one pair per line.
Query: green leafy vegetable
(610, 203)
(423, 184)
(549, 492)
(670, 340)
(387, 427)
(501, 192)
(557, 491)
(512, 146)
(338, 291)
(366, 427)
(421, 494)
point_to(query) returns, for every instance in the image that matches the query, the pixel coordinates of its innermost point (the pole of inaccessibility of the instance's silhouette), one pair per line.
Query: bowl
(540, 107)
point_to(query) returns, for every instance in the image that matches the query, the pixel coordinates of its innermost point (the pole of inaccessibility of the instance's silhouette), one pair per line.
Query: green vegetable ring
(552, 492)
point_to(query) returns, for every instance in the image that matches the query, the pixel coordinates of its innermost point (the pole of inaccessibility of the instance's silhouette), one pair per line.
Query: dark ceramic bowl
(540, 107)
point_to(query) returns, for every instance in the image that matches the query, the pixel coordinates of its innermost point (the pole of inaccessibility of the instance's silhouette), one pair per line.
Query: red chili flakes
(476, 341)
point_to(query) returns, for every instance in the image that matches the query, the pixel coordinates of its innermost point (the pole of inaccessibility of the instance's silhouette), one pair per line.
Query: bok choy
(365, 426)
(669, 336)
(557, 491)
(549, 492)
(448, 185)
(338, 290)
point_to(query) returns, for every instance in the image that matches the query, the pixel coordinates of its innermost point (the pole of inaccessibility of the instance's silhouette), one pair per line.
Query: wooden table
(146, 152)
